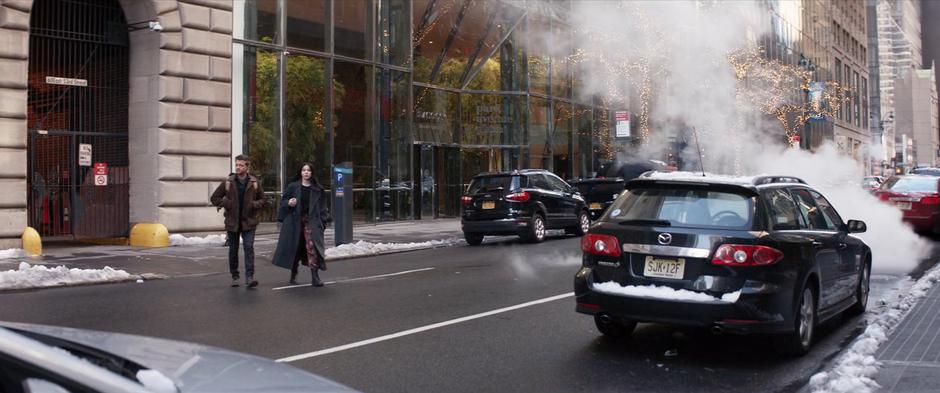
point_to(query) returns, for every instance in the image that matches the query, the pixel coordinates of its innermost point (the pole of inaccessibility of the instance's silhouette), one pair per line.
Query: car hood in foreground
(194, 367)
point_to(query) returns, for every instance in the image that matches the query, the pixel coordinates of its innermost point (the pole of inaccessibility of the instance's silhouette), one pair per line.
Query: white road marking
(357, 279)
(420, 329)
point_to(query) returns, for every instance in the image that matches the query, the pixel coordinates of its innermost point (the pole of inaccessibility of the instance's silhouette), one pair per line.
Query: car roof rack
(761, 180)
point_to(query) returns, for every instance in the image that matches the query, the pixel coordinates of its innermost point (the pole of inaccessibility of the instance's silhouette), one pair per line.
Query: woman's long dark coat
(291, 227)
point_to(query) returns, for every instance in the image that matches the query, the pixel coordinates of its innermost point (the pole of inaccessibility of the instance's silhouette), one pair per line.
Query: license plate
(595, 206)
(904, 205)
(664, 267)
(489, 205)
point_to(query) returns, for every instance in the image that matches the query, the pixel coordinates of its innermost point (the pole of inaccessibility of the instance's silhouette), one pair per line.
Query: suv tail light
(745, 255)
(604, 245)
(466, 200)
(518, 197)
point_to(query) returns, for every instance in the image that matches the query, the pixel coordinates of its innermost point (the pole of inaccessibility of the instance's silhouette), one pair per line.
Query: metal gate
(77, 119)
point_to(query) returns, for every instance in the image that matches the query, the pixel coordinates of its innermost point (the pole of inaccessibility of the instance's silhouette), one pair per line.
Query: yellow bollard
(150, 235)
(32, 242)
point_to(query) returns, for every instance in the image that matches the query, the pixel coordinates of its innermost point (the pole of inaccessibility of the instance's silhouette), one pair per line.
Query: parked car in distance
(762, 255)
(918, 197)
(871, 183)
(524, 202)
(926, 171)
(599, 193)
(39, 358)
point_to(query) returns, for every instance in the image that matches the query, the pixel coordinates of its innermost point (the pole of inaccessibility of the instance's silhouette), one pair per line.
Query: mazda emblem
(664, 238)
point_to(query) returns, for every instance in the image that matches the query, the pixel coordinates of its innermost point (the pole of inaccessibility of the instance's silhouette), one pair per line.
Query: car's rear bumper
(923, 223)
(767, 312)
(506, 226)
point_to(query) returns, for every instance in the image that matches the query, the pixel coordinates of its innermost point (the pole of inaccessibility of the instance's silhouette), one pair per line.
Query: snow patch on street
(854, 369)
(362, 248)
(12, 253)
(211, 240)
(37, 276)
(664, 293)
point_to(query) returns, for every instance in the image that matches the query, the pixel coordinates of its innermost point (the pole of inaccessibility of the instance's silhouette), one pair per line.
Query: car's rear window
(926, 171)
(685, 207)
(492, 183)
(911, 184)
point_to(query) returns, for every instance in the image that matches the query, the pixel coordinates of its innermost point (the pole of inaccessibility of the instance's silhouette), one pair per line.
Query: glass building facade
(419, 95)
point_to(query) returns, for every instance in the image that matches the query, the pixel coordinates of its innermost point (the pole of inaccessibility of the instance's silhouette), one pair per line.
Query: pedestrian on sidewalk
(303, 214)
(242, 198)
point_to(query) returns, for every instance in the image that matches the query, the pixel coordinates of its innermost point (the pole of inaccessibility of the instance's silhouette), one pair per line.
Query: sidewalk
(910, 357)
(192, 260)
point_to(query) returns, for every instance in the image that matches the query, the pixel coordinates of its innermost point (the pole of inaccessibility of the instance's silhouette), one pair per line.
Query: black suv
(524, 202)
(764, 255)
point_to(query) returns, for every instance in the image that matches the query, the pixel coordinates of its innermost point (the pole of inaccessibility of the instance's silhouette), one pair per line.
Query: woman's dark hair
(313, 179)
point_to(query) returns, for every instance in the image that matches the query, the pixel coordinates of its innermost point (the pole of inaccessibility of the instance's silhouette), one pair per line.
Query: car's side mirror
(856, 226)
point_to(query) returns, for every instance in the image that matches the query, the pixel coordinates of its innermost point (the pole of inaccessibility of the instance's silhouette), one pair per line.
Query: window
(839, 81)
(557, 184)
(352, 31)
(539, 181)
(539, 142)
(305, 137)
(394, 42)
(261, 21)
(810, 212)
(353, 130)
(832, 217)
(306, 24)
(783, 212)
(685, 207)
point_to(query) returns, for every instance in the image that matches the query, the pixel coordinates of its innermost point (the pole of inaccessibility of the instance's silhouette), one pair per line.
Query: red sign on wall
(101, 173)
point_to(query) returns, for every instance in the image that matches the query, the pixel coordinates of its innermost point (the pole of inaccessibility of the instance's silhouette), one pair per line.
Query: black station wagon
(763, 255)
(525, 203)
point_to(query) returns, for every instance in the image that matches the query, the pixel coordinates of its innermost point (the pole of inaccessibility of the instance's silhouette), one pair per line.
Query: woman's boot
(293, 275)
(315, 274)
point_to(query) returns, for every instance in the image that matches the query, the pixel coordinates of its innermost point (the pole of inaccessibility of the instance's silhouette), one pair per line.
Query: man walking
(242, 198)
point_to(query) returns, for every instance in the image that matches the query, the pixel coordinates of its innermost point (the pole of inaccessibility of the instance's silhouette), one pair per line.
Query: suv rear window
(491, 183)
(911, 184)
(606, 189)
(685, 207)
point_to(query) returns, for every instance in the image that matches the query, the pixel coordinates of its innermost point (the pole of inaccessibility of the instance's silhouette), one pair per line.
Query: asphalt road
(439, 323)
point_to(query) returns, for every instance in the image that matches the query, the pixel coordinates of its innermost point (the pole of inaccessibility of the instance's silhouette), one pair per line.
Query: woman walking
(304, 215)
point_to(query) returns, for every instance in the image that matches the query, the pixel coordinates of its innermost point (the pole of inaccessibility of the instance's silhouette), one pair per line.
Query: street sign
(84, 154)
(101, 174)
(55, 80)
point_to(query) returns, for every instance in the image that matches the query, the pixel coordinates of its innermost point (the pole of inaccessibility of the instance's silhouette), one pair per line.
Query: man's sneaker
(251, 282)
(234, 282)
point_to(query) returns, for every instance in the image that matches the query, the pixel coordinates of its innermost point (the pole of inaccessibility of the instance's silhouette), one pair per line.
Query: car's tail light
(518, 197)
(604, 245)
(466, 200)
(884, 196)
(930, 200)
(746, 255)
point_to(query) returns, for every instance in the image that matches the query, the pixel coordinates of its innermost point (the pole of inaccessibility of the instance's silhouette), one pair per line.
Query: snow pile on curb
(211, 240)
(854, 370)
(28, 276)
(662, 292)
(362, 248)
(12, 253)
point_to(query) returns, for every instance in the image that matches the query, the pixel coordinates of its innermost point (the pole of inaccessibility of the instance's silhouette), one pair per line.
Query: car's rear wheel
(799, 341)
(862, 291)
(473, 239)
(536, 231)
(613, 328)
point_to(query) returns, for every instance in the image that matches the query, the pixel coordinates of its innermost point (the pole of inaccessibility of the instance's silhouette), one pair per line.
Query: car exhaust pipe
(605, 318)
(717, 330)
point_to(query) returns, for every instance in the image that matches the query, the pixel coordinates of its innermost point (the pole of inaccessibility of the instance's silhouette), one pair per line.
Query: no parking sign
(101, 174)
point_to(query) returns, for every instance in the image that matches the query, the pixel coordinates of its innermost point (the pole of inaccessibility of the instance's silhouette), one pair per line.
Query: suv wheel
(861, 291)
(612, 328)
(584, 223)
(536, 231)
(800, 339)
(473, 239)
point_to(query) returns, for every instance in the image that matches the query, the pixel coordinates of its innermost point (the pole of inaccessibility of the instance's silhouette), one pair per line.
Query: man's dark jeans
(248, 237)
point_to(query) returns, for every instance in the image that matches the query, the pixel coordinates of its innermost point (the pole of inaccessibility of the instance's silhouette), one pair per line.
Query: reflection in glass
(306, 24)
(561, 139)
(490, 119)
(561, 66)
(260, 121)
(538, 52)
(433, 21)
(602, 140)
(353, 137)
(305, 131)
(582, 142)
(539, 149)
(436, 115)
(261, 21)
(394, 40)
(352, 31)
(393, 178)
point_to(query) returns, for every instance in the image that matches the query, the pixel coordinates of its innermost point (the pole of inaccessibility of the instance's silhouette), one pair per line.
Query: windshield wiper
(661, 223)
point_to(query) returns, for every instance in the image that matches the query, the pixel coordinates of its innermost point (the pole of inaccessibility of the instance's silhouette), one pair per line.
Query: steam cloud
(668, 59)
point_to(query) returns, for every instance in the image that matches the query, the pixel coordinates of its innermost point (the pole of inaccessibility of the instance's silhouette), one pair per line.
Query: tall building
(916, 113)
(849, 51)
(931, 34)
